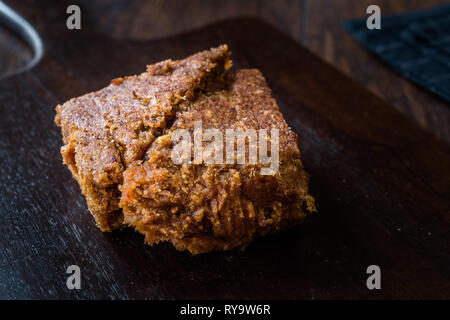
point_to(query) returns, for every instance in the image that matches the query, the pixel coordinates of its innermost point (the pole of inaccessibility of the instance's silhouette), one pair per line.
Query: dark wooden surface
(317, 24)
(14, 52)
(327, 38)
(381, 181)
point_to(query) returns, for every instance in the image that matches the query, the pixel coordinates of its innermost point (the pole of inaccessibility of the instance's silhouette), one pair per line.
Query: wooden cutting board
(382, 183)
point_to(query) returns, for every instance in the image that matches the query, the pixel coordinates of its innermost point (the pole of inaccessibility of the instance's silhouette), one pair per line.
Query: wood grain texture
(327, 38)
(145, 20)
(382, 183)
(315, 23)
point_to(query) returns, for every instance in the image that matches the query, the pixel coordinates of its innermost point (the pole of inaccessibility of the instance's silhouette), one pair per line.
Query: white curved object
(25, 30)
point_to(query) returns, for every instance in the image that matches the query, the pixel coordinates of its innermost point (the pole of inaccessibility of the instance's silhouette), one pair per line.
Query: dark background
(380, 180)
(317, 24)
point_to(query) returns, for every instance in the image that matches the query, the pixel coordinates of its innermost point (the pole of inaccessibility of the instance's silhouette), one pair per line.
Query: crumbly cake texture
(118, 144)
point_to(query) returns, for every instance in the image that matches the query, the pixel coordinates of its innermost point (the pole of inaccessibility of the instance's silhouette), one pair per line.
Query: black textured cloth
(417, 45)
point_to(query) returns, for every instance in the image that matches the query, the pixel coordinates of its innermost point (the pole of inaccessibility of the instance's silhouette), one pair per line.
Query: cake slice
(107, 130)
(204, 207)
(120, 142)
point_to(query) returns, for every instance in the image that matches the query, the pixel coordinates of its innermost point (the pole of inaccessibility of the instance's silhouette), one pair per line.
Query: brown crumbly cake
(118, 146)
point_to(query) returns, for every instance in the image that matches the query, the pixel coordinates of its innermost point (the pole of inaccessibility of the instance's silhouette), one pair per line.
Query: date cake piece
(107, 130)
(203, 207)
(119, 142)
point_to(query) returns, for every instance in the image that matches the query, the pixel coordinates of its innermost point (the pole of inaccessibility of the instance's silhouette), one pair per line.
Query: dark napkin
(417, 45)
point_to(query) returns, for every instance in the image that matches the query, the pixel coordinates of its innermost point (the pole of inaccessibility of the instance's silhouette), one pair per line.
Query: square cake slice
(239, 175)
